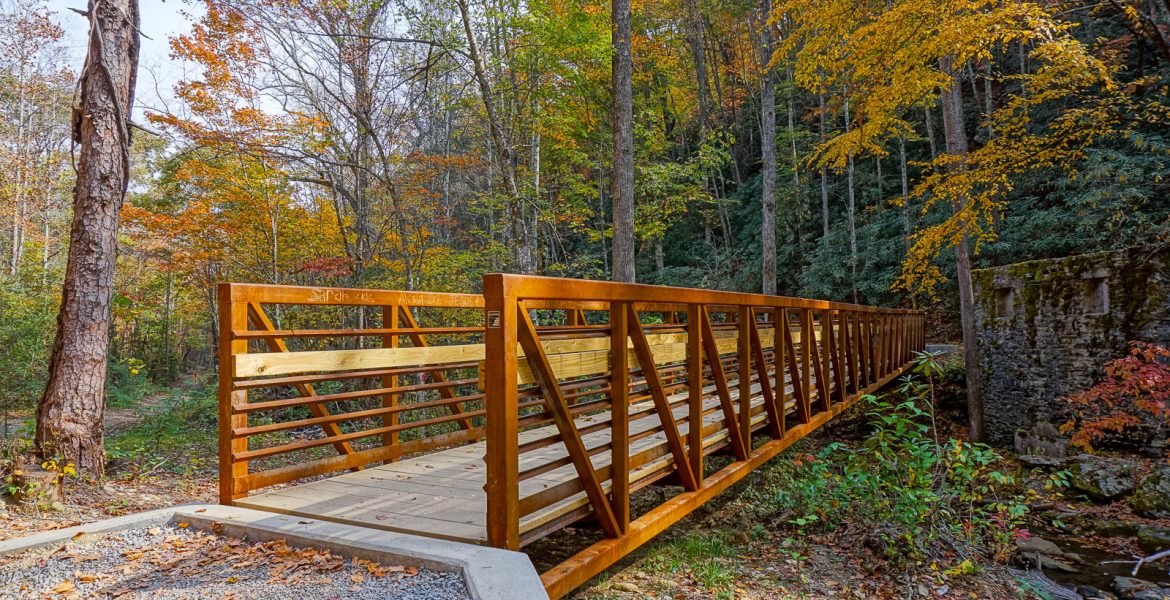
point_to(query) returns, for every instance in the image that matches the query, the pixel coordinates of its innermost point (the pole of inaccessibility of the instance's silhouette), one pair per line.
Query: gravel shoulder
(174, 562)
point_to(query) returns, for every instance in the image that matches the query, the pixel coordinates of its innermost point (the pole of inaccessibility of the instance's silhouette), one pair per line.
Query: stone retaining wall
(1046, 328)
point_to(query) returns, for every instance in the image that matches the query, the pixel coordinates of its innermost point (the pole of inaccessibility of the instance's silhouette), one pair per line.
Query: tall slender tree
(622, 175)
(70, 413)
(768, 151)
(955, 142)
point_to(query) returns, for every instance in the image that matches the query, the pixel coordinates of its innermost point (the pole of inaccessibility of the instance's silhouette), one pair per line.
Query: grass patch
(707, 558)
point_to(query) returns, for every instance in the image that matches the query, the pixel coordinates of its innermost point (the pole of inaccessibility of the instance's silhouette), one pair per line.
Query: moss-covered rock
(1100, 478)
(1153, 539)
(1152, 498)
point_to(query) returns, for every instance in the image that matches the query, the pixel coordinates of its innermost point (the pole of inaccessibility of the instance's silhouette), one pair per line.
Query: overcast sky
(157, 72)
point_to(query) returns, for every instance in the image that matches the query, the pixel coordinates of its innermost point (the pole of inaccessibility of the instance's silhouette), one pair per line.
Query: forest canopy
(418, 145)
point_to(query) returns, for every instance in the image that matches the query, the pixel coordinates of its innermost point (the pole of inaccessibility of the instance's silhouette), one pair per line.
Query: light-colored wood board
(573, 357)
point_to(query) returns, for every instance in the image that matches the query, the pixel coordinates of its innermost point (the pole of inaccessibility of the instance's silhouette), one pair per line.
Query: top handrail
(556, 288)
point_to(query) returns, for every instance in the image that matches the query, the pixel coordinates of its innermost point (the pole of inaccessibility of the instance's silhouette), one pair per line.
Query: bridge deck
(441, 494)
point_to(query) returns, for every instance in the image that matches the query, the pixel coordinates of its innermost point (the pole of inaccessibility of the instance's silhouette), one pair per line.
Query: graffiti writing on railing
(336, 296)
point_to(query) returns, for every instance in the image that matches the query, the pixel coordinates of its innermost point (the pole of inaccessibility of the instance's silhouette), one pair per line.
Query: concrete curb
(489, 573)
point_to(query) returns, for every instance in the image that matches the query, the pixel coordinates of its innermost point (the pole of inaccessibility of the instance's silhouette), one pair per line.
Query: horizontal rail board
(577, 356)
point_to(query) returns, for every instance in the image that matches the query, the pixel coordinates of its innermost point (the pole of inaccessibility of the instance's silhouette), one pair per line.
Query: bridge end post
(233, 316)
(502, 408)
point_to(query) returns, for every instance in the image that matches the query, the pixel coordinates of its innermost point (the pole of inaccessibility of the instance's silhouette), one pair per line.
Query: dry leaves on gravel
(208, 555)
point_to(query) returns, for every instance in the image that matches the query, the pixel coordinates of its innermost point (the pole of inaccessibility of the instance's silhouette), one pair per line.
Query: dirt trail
(122, 417)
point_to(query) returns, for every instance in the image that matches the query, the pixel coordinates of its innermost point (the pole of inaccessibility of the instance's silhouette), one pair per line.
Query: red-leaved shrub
(1135, 392)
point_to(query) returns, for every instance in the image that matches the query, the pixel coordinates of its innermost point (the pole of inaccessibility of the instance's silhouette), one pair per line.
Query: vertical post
(833, 352)
(818, 354)
(867, 348)
(808, 336)
(619, 386)
(503, 485)
(390, 321)
(891, 342)
(780, 389)
(232, 316)
(887, 336)
(744, 345)
(849, 345)
(695, 391)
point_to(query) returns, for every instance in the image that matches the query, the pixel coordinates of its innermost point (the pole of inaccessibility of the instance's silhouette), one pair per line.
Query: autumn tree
(69, 415)
(35, 91)
(848, 45)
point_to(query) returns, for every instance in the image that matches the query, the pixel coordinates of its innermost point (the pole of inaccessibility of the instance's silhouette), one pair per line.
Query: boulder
(1042, 441)
(1152, 497)
(1111, 528)
(1101, 478)
(1038, 545)
(1132, 588)
(1089, 592)
(1036, 460)
(1153, 539)
(1052, 564)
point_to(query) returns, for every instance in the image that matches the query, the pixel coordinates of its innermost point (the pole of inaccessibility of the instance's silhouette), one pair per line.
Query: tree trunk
(699, 54)
(768, 152)
(907, 228)
(69, 414)
(852, 209)
(622, 175)
(822, 133)
(956, 145)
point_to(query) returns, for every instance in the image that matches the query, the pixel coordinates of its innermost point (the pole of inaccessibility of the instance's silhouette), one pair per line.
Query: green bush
(27, 326)
(916, 494)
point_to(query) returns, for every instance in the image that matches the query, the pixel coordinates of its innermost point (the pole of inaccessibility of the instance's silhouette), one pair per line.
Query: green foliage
(172, 437)
(705, 557)
(916, 493)
(128, 383)
(27, 325)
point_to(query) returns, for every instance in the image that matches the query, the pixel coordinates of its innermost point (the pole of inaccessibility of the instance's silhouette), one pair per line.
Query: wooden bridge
(501, 418)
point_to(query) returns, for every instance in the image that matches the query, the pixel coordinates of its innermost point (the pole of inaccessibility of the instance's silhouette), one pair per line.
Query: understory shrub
(912, 495)
(1133, 398)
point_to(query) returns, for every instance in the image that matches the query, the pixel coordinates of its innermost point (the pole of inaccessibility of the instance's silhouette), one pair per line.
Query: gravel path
(174, 562)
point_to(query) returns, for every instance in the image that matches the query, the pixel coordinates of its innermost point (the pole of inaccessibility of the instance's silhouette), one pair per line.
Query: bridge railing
(314, 381)
(735, 363)
(374, 374)
(585, 391)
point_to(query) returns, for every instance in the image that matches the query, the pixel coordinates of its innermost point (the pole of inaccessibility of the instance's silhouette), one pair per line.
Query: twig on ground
(1139, 561)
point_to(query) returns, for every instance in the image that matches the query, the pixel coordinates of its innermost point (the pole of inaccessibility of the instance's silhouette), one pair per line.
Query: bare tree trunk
(956, 145)
(503, 149)
(822, 132)
(849, 180)
(69, 414)
(928, 118)
(622, 175)
(699, 54)
(907, 229)
(768, 152)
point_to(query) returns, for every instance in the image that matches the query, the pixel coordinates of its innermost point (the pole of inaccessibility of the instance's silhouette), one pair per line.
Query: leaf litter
(180, 562)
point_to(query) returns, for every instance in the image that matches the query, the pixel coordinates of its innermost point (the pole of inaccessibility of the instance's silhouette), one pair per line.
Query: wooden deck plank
(441, 494)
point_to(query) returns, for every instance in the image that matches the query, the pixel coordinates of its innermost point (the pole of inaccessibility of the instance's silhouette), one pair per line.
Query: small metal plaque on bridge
(493, 319)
